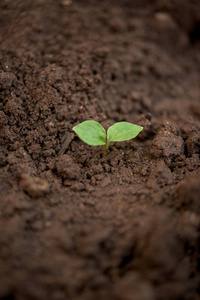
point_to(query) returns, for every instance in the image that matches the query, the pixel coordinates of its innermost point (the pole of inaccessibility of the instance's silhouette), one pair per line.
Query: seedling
(92, 133)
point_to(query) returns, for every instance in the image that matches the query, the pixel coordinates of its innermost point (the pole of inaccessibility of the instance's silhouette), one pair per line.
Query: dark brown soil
(75, 225)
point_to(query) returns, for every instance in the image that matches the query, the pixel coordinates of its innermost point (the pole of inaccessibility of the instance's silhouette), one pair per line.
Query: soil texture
(75, 225)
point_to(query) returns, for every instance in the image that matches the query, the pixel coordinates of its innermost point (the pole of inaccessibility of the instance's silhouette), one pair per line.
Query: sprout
(92, 133)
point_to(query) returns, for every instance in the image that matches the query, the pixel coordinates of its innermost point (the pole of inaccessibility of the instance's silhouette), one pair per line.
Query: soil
(74, 224)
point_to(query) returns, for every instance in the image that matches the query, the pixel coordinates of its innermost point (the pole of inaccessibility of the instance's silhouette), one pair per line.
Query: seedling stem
(105, 147)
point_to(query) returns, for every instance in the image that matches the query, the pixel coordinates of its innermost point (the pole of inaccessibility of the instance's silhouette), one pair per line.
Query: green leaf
(91, 132)
(122, 131)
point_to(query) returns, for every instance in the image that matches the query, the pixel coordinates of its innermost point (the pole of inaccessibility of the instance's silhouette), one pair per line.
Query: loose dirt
(74, 224)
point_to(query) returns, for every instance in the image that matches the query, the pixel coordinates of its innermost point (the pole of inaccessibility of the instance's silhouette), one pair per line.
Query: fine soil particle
(74, 224)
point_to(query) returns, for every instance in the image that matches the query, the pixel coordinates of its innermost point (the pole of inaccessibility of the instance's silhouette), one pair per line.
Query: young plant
(92, 133)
